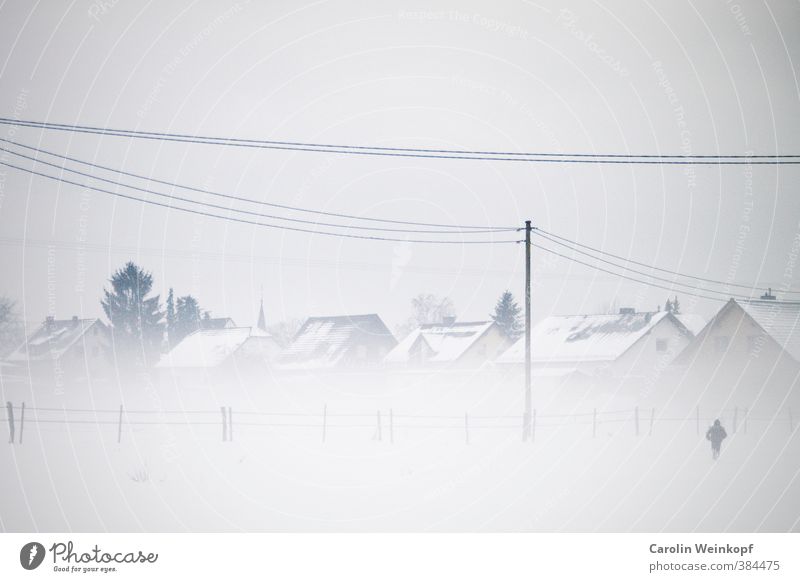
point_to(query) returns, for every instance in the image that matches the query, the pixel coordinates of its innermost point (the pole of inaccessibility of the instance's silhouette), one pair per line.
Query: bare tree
(426, 308)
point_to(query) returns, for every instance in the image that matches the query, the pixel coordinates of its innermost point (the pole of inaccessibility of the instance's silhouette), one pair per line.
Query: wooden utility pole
(526, 417)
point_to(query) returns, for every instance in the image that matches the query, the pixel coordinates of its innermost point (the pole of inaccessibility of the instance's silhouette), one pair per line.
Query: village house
(627, 344)
(450, 344)
(338, 342)
(747, 356)
(62, 351)
(216, 354)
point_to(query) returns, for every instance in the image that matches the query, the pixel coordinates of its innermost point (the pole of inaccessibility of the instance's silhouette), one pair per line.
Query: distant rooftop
(205, 348)
(780, 319)
(586, 338)
(446, 341)
(52, 338)
(323, 341)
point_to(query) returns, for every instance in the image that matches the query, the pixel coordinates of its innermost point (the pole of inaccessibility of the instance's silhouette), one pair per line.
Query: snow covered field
(416, 473)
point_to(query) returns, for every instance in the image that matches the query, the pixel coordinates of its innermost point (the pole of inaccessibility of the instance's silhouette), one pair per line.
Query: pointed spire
(262, 321)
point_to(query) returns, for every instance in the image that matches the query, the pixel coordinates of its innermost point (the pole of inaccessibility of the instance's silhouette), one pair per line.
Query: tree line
(142, 329)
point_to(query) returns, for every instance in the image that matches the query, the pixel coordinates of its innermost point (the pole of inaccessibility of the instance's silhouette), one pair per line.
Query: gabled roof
(586, 338)
(207, 348)
(324, 341)
(53, 338)
(447, 342)
(779, 319)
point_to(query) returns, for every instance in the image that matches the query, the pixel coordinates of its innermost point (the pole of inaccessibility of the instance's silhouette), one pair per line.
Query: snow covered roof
(780, 319)
(326, 341)
(206, 348)
(445, 342)
(691, 321)
(585, 338)
(53, 338)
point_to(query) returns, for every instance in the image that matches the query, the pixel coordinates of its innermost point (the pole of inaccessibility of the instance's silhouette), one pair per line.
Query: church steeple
(262, 321)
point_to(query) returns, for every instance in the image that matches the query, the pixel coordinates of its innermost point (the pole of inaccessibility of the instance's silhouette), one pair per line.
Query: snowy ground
(174, 477)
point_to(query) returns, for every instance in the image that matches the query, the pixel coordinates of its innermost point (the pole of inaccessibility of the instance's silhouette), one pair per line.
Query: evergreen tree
(507, 316)
(676, 306)
(187, 317)
(673, 307)
(135, 318)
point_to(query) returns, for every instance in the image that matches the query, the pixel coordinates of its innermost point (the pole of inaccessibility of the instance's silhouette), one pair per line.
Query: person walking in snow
(716, 434)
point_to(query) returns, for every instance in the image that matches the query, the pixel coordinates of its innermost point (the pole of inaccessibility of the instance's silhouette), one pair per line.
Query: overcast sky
(644, 77)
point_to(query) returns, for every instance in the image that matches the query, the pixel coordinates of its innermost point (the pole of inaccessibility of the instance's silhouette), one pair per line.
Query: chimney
(627, 311)
(74, 321)
(768, 296)
(449, 320)
(49, 322)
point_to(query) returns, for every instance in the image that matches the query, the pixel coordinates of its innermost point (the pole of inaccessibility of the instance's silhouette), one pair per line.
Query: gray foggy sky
(645, 77)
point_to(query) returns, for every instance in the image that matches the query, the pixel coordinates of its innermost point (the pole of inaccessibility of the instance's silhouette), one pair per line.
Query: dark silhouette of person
(716, 434)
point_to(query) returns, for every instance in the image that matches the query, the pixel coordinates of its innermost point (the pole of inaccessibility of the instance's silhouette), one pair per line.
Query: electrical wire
(245, 221)
(247, 212)
(539, 231)
(253, 200)
(574, 260)
(656, 277)
(536, 157)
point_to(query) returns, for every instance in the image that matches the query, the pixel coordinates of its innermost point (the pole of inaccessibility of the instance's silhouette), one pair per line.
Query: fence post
(466, 427)
(224, 424)
(119, 426)
(533, 426)
(652, 421)
(636, 419)
(21, 422)
(746, 414)
(230, 423)
(735, 418)
(594, 423)
(391, 426)
(10, 408)
(324, 421)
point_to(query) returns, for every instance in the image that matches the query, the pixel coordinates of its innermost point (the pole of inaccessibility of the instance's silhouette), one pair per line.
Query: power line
(245, 221)
(247, 212)
(253, 200)
(353, 236)
(535, 157)
(539, 232)
(602, 260)
(543, 234)
(635, 280)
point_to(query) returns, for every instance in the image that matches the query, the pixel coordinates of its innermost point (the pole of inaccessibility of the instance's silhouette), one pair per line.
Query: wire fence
(383, 422)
